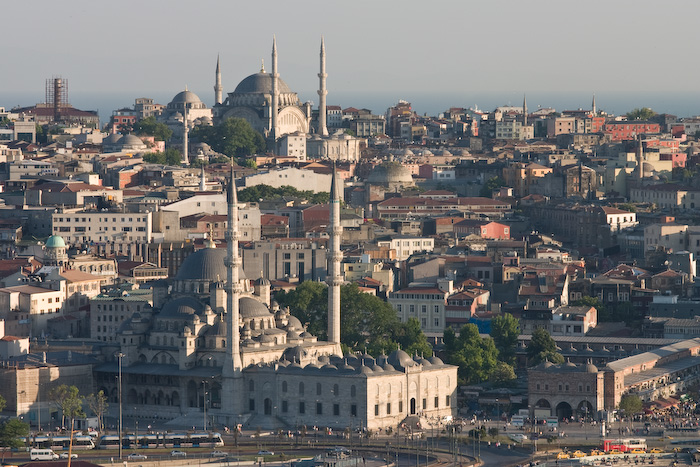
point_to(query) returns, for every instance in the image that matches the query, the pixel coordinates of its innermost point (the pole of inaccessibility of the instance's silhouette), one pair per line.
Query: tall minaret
(203, 181)
(322, 129)
(524, 110)
(218, 88)
(275, 91)
(333, 278)
(640, 158)
(185, 136)
(594, 110)
(233, 381)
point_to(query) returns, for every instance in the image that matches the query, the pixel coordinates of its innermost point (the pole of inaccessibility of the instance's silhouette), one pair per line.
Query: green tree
(233, 137)
(98, 405)
(630, 404)
(150, 126)
(645, 113)
(475, 356)
(258, 192)
(502, 374)
(505, 330)
(367, 322)
(491, 185)
(595, 302)
(3, 403)
(170, 156)
(69, 400)
(248, 162)
(542, 347)
(11, 433)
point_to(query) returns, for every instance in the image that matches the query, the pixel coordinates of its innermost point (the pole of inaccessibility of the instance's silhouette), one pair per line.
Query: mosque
(215, 342)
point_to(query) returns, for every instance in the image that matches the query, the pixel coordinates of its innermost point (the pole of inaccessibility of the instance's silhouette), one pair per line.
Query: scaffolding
(56, 95)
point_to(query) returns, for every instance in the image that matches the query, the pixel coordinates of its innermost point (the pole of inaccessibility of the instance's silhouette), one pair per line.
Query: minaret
(333, 277)
(233, 381)
(275, 91)
(218, 88)
(202, 181)
(594, 110)
(185, 130)
(640, 159)
(524, 110)
(322, 92)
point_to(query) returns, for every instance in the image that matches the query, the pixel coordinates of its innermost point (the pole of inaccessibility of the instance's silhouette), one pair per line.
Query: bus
(624, 445)
(167, 440)
(42, 455)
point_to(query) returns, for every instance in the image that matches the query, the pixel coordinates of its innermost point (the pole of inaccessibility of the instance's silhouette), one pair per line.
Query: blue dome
(55, 241)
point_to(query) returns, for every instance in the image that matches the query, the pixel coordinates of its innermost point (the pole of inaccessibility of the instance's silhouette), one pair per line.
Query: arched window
(301, 388)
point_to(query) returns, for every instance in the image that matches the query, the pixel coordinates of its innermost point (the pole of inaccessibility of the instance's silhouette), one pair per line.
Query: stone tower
(334, 279)
(218, 88)
(524, 110)
(594, 110)
(322, 92)
(233, 365)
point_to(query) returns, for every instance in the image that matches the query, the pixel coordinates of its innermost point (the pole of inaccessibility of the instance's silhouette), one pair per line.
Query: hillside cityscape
(272, 265)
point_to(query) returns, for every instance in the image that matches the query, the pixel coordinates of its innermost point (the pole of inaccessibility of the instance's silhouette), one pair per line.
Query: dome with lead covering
(205, 264)
(182, 306)
(251, 308)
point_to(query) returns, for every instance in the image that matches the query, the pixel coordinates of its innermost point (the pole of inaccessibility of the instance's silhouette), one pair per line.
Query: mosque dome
(251, 308)
(131, 142)
(205, 264)
(111, 139)
(591, 368)
(435, 360)
(55, 241)
(390, 173)
(185, 97)
(262, 282)
(182, 306)
(260, 83)
(294, 323)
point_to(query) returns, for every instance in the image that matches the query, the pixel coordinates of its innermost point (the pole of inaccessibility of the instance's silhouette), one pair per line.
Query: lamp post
(204, 402)
(119, 357)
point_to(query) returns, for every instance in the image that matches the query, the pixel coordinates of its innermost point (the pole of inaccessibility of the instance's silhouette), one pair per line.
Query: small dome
(377, 369)
(131, 141)
(267, 339)
(294, 323)
(435, 360)
(111, 139)
(400, 359)
(364, 370)
(591, 368)
(294, 354)
(388, 367)
(329, 367)
(182, 306)
(55, 241)
(262, 282)
(251, 308)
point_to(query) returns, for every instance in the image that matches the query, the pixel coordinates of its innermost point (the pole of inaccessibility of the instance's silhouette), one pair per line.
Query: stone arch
(543, 404)
(142, 358)
(563, 410)
(585, 410)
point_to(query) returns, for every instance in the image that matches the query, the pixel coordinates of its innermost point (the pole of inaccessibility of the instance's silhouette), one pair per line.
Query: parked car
(176, 453)
(218, 454)
(135, 456)
(266, 453)
(64, 455)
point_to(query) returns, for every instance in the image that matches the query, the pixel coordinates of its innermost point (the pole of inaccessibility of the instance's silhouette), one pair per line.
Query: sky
(433, 54)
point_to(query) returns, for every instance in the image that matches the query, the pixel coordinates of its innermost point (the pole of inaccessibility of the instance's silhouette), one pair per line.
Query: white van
(42, 455)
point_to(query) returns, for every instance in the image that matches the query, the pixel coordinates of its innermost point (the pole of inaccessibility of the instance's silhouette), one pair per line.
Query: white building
(300, 179)
(406, 245)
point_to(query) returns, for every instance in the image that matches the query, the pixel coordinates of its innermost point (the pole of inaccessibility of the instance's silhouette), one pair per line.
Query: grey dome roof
(262, 281)
(130, 140)
(390, 172)
(112, 138)
(591, 368)
(251, 308)
(182, 306)
(435, 360)
(260, 83)
(217, 329)
(294, 323)
(400, 359)
(206, 264)
(186, 97)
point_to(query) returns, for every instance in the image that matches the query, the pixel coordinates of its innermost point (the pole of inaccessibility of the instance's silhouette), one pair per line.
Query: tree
(170, 156)
(491, 185)
(233, 137)
(150, 126)
(503, 373)
(505, 330)
(98, 405)
(367, 322)
(3, 403)
(258, 192)
(69, 400)
(630, 404)
(475, 356)
(542, 347)
(645, 113)
(11, 434)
